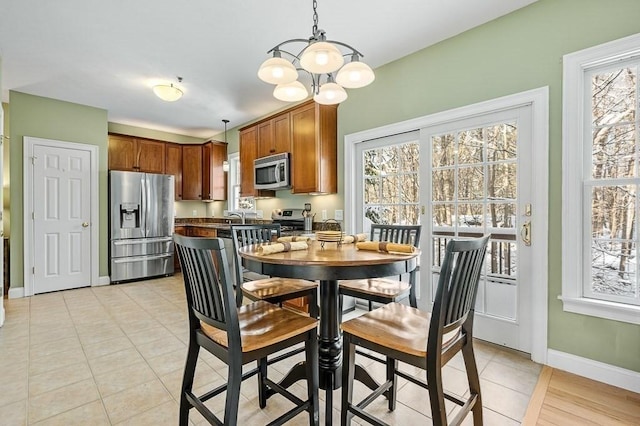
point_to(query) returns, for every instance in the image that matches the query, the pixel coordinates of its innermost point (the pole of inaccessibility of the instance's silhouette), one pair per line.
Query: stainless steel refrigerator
(141, 225)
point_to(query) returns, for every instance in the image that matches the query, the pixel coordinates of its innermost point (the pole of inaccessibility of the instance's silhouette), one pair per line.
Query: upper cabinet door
(135, 154)
(281, 133)
(192, 172)
(314, 149)
(265, 140)
(248, 153)
(173, 166)
(214, 179)
(122, 153)
(274, 136)
(150, 156)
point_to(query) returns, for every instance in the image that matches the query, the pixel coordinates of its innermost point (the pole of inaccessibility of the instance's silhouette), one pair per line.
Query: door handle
(85, 224)
(525, 233)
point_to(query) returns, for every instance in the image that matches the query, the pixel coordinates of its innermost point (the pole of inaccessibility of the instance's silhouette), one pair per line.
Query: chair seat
(275, 287)
(395, 326)
(380, 287)
(263, 324)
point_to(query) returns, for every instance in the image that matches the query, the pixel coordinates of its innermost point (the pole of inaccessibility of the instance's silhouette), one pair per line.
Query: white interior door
(61, 218)
(480, 183)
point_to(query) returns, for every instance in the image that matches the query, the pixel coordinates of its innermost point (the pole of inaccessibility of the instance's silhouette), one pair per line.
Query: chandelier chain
(315, 18)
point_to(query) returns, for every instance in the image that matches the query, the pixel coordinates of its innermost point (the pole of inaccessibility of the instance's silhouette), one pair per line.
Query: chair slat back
(249, 234)
(401, 234)
(209, 290)
(457, 285)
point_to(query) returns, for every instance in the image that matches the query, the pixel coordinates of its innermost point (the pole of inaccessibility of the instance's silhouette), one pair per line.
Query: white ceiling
(108, 53)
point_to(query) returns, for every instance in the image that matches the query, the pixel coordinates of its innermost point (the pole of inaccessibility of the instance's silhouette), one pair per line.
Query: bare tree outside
(614, 184)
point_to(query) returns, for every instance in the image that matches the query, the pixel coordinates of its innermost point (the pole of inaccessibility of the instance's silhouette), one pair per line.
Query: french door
(462, 179)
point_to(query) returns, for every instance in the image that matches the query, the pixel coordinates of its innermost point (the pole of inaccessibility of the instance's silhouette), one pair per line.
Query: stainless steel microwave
(272, 172)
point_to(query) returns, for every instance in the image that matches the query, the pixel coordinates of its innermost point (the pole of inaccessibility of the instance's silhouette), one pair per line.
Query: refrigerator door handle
(148, 203)
(142, 241)
(143, 205)
(141, 258)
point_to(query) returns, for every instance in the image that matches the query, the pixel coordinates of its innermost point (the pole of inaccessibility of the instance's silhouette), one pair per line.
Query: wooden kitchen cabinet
(180, 230)
(173, 166)
(214, 179)
(248, 153)
(192, 172)
(274, 136)
(314, 149)
(136, 154)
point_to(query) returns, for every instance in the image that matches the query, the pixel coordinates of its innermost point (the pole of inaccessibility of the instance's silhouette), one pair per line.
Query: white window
(235, 201)
(601, 181)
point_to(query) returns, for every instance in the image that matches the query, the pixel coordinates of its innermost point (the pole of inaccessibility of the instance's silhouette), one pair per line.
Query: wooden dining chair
(422, 339)
(386, 290)
(238, 335)
(270, 289)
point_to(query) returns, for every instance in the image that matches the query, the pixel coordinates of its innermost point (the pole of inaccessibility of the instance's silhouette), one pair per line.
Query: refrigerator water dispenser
(129, 215)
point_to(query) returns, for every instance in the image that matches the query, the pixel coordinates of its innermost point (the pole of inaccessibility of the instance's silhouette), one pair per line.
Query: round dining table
(328, 263)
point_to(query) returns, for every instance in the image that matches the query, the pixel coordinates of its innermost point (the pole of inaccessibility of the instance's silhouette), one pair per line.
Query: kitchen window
(235, 201)
(601, 181)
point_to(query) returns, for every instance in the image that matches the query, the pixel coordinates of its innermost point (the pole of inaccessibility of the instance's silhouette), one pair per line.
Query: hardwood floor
(562, 398)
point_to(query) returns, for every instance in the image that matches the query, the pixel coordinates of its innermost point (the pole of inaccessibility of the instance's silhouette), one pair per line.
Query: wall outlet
(338, 215)
(194, 213)
(324, 215)
(259, 214)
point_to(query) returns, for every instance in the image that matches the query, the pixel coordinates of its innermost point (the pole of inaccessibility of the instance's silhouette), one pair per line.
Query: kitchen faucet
(238, 214)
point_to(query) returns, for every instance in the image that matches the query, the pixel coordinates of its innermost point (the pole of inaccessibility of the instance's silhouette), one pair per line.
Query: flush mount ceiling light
(323, 60)
(168, 92)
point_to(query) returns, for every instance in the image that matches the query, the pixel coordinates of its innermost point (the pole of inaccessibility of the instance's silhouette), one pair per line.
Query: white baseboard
(16, 293)
(104, 280)
(595, 370)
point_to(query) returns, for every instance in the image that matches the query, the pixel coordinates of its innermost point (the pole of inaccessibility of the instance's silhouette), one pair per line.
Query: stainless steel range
(289, 219)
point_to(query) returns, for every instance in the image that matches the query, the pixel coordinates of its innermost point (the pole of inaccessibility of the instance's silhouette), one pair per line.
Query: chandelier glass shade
(168, 93)
(321, 59)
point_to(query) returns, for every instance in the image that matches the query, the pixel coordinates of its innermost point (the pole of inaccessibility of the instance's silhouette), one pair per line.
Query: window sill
(602, 309)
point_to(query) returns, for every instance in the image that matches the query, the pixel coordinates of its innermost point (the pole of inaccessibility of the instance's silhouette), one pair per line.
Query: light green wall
(52, 119)
(518, 52)
(141, 132)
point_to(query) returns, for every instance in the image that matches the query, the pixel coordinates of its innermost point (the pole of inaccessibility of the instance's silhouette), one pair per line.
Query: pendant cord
(314, 30)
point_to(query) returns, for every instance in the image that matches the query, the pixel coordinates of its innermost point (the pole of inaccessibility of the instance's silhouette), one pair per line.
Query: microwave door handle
(277, 172)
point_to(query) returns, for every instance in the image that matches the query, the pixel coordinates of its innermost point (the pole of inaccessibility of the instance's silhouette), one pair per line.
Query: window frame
(575, 103)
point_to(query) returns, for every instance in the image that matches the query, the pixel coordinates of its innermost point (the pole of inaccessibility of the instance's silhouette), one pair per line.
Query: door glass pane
(471, 183)
(470, 147)
(443, 150)
(443, 185)
(501, 182)
(501, 215)
(501, 142)
(391, 189)
(470, 215)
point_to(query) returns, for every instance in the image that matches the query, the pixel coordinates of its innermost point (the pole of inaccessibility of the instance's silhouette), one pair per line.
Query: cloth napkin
(292, 239)
(280, 247)
(385, 247)
(348, 239)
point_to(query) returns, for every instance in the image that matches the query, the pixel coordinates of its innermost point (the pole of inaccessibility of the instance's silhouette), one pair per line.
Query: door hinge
(33, 215)
(33, 270)
(33, 160)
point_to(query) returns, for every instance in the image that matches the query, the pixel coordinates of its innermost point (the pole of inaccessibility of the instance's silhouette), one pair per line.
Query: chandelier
(323, 60)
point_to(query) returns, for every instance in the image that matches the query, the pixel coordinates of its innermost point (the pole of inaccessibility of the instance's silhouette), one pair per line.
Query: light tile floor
(114, 355)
